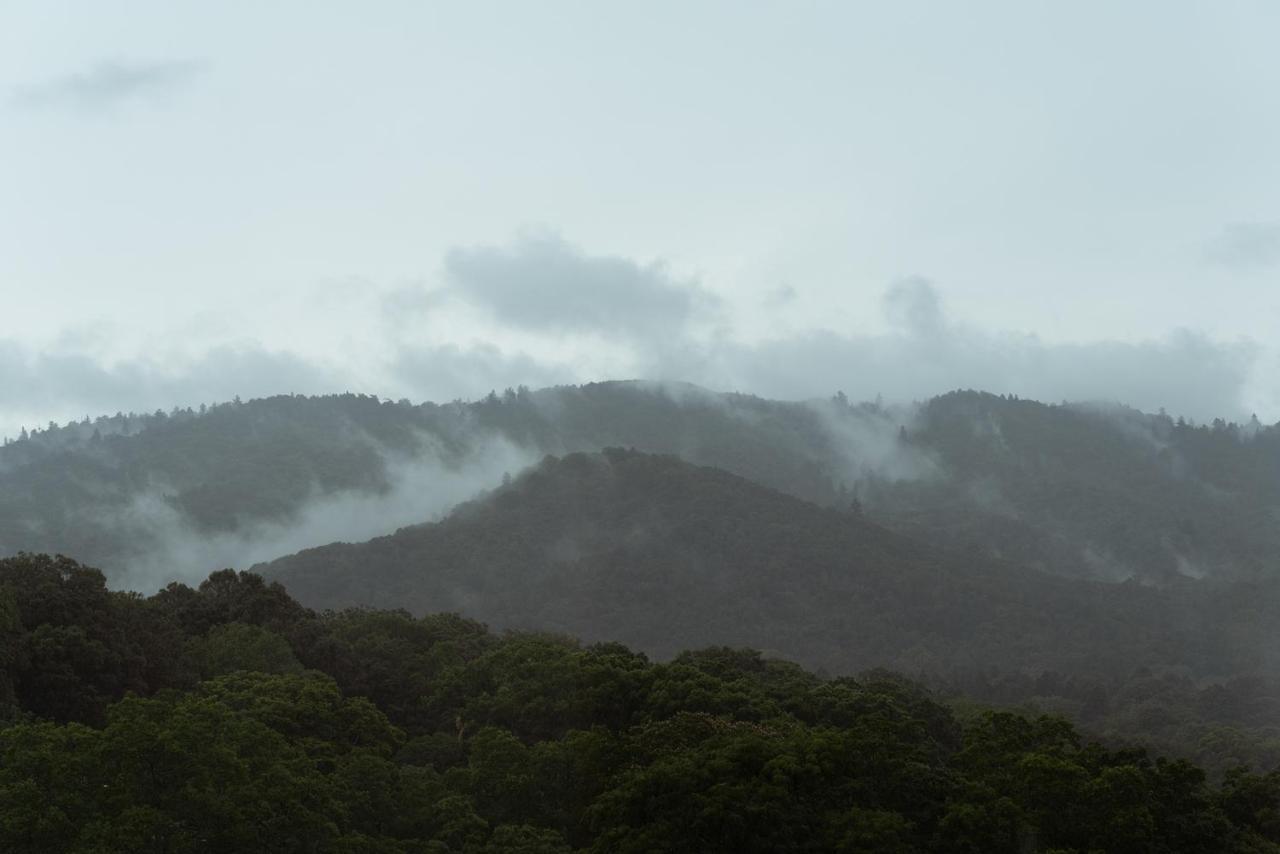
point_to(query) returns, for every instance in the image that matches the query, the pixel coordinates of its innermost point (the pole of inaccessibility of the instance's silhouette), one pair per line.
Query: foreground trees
(229, 719)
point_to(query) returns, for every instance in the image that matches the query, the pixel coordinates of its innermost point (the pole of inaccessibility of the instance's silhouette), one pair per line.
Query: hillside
(1092, 491)
(661, 554)
(1080, 491)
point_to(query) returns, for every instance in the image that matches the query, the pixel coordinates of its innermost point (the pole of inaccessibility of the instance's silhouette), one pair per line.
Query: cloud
(544, 284)
(912, 304)
(421, 487)
(68, 383)
(929, 353)
(109, 84)
(1247, 246)
(564, 312)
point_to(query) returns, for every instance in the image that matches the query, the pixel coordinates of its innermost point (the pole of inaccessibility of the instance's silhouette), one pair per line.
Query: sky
(431, 200)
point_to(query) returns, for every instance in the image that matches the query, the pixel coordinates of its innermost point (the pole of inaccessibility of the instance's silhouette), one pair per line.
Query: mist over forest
(1065, 571)
(1083, 490)
(562, 428)
(562, 315)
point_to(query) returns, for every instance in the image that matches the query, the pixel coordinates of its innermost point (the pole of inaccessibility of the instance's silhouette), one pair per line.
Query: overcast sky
(1067, 200)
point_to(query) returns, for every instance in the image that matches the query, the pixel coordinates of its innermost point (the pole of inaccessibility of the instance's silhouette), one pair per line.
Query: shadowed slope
(661, 554)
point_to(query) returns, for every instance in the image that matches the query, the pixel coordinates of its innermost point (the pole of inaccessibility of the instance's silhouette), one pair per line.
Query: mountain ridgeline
(663, 555)
(1080, 491)
(1116, 568)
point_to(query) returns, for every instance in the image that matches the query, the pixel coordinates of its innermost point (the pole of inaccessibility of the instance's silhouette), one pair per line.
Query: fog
(568, 426)
(560, 315)
(430, 203)
(421, 488)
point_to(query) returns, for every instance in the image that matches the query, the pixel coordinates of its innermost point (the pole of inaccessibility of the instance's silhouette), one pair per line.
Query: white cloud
(561, 315)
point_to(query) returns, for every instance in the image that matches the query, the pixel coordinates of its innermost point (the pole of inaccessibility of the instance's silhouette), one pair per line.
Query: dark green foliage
(10, 649)
(1218, 724)
(433, 735)
(73, 646)
(237, 646)
(230, 597)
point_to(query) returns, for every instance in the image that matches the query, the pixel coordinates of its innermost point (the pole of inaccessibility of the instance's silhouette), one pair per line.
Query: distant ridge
(1083, 491)
(661, 554)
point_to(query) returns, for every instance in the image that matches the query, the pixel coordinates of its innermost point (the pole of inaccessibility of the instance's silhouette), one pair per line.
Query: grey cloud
(1246, 246)
(71, 384)
(110, 83)
(926, 352)
(423, 487)
(64, 385)
(1185, 372)
(545, 284)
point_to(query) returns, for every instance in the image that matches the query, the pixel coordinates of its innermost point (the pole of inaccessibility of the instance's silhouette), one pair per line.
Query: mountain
(662, 555)
(1080, 491)
(1093, 491)
(961, 539)
(128, 490)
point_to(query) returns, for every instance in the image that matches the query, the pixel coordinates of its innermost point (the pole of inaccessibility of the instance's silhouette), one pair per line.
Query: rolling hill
(662, 555)
(1080, 491)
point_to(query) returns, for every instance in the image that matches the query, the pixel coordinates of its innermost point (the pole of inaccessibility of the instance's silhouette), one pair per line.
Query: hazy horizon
(429, 202)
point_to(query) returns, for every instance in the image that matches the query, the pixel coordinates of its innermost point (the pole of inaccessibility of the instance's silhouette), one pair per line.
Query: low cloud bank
(559, 315)
(36, 386)
(422, 488)
(927, 354)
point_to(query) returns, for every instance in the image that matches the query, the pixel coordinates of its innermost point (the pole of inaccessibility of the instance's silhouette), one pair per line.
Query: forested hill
(1092, 491)
(228, 718)
(1078, 491)
(663, 555)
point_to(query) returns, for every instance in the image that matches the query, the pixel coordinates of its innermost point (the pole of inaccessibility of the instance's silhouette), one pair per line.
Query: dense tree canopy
(228, 718)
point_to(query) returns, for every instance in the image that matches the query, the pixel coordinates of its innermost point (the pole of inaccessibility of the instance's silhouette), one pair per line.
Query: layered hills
(664, 555)
(1116, 566)
(1082, 491)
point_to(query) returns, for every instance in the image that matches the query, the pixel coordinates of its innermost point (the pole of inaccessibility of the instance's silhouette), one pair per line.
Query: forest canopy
(230, 718)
